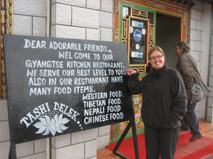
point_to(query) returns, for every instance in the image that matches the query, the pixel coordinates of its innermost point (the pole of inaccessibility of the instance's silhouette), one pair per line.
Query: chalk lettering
(52, 81)
(40, 91)
(116, 79)
(65, 109)
(37, 111)
(64, 46)
(34, 44)
(49, 73)
(64, 55)
(115, 94)
(90, 81)
(114, 101)
(68, 72)
(107, 57)
(115, 108)
(83, 72)
(116, 116)
(111, 72)
(92, 96)
(33, 81)
(62, 90)
(79, 55)
(94, 111)
(95, 48)
(78, 64)
(120, 72)
(96, 56)
(65, 81)
(107, 65)
(43, 64)
(83, 89)
(99, 72)
(96, 119)
(94, 103)
(32, 73)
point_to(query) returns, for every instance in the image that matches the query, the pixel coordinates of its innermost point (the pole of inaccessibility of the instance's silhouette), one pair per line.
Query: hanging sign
(58, 86)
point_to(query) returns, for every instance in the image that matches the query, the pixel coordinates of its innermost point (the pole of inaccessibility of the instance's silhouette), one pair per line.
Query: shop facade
(139, 24)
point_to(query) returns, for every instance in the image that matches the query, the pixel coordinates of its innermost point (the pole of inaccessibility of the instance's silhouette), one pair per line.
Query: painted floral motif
(51, 125)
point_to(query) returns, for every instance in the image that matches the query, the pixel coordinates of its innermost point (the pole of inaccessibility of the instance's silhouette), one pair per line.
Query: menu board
(57, 86)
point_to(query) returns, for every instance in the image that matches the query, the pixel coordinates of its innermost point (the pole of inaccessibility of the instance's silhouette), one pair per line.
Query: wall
(82, 19)
(200, 42)
(210, 77)
(89, 20)
(30, 18)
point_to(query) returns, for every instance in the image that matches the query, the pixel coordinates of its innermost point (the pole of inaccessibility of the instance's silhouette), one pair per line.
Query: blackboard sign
(58, 86)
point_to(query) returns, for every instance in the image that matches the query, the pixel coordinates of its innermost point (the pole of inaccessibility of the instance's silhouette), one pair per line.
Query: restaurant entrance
(167, 35)
(142, 24)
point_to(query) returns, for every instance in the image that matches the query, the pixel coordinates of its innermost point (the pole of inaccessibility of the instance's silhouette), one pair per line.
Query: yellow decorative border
(6, 28)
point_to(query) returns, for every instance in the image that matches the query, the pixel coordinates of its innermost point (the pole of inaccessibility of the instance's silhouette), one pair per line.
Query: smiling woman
(164, 104)
(156, 56)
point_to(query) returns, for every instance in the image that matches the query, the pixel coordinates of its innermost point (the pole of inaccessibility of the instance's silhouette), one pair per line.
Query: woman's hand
(130, 72)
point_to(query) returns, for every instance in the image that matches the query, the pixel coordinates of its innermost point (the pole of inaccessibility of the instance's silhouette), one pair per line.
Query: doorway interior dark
(167, 35)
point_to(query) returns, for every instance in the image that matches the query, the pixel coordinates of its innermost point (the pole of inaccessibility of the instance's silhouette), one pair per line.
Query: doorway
(167, 35)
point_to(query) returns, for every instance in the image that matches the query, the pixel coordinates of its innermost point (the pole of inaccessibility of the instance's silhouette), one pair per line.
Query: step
(195, 150)
(184, 136)
(185, 149)
(205, 126)
(209, 134)
(198, 149)
(208, 157)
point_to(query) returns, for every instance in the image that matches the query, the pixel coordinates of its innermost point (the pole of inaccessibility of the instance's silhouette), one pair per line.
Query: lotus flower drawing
(48, 125)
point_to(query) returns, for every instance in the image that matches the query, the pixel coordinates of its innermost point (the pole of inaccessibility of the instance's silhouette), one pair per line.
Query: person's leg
(151, 142)
(192, 119)
(168, 142)
(184, 125)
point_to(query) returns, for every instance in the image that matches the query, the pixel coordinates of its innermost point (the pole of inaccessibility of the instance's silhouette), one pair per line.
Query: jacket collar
(160, 72)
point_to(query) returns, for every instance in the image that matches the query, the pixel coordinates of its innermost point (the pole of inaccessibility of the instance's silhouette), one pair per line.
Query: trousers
(190, 120)
(160, 142)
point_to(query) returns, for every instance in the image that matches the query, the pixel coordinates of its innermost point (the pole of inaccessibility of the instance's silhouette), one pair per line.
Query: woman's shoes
(195, 137)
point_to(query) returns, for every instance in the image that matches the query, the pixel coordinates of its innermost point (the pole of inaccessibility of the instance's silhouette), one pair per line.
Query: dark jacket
(164, 97)
(186, 69)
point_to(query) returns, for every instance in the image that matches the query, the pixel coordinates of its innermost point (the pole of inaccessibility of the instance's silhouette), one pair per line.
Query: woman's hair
(154, 49)
(183, 45)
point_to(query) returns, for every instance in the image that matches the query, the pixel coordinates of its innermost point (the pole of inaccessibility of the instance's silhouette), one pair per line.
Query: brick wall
(210, 98)
(4, 130)
(200, 50)
(88, 20)
(196, 29)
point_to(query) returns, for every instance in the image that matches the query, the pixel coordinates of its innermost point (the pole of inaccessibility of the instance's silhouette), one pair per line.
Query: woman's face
(178, 51)
(157, 60)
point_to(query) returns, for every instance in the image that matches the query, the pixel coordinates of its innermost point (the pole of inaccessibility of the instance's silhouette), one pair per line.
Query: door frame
(171, 8)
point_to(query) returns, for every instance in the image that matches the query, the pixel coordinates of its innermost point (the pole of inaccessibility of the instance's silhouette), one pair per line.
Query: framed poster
(138, 41)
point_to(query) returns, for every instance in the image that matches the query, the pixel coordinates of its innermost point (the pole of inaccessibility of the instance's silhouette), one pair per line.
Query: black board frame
(12, 152)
